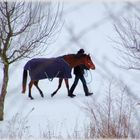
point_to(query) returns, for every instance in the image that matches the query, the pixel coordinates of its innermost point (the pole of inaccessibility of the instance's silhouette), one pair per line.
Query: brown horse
(59, 67)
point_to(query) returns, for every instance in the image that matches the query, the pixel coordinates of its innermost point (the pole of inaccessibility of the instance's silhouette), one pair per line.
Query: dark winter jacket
(79, 70)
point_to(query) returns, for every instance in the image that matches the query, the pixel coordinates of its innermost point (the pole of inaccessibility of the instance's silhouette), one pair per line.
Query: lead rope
(86, 75)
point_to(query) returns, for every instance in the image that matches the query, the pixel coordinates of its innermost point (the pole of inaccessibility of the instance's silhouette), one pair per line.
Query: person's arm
(85, 67)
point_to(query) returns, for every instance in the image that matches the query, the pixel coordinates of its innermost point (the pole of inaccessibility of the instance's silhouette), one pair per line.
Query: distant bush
(114, 117)
(16, 128)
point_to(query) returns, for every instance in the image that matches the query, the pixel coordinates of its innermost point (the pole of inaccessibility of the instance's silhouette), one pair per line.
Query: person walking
(79, 74)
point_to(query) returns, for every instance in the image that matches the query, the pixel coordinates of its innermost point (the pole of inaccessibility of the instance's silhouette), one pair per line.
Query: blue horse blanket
(41, 68)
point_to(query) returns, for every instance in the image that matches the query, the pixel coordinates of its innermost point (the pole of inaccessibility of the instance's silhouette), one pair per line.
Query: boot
(87, 93)
(71, 94)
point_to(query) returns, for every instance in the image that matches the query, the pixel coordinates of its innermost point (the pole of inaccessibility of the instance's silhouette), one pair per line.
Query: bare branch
(29, 26)
(127, 30)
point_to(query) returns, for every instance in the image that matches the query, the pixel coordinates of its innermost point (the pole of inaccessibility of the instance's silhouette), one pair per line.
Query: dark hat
(81, 51)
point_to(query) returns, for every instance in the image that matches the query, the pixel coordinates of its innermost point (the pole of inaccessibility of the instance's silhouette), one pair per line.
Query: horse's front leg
(59, 86)
(67, 86)
(30, 86)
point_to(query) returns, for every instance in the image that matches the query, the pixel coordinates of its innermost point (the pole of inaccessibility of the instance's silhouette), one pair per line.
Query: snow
(56, 110)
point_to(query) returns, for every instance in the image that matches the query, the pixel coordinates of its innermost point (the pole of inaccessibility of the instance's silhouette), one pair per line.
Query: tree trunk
(3, 90)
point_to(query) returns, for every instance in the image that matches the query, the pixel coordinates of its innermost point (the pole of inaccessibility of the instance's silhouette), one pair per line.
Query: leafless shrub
(76, 132)
(114, 117)
(52, 131)
(17, 128)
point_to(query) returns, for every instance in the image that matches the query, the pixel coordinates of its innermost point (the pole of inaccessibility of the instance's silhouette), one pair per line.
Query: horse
(59, 67)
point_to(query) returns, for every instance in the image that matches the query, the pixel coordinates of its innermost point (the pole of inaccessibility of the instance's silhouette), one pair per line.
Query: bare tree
(128, 35)
(129, 42)
(26, 29)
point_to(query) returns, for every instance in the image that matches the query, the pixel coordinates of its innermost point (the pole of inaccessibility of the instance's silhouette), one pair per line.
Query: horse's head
(88, 62)
(77, 59)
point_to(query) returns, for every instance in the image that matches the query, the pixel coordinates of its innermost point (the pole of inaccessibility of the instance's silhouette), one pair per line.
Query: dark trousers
(82, 78)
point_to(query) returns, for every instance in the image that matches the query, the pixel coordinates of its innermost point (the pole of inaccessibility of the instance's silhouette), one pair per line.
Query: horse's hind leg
(67, 85)
(30, 86)
(40, 91)
(59, 85)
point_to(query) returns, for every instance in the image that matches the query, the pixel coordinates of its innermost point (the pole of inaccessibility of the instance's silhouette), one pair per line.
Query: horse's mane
(76, 55)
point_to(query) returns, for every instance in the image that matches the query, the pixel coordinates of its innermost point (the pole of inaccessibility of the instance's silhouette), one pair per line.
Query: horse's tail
(24, 81)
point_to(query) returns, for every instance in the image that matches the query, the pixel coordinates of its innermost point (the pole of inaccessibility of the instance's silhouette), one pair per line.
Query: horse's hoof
(42, 95)
(71, 95)
(52, 95)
